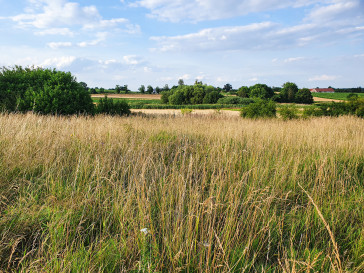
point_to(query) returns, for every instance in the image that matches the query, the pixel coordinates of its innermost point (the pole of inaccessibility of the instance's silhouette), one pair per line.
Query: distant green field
(335, 96)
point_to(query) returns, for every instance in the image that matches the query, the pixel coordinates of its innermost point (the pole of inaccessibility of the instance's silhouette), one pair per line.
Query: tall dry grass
(181, 194)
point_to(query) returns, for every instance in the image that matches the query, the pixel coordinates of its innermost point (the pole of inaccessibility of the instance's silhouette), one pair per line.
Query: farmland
(335, 96)
(181, 194)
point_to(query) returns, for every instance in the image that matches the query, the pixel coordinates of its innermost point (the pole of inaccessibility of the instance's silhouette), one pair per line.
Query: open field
(333, 96)
(181, 194)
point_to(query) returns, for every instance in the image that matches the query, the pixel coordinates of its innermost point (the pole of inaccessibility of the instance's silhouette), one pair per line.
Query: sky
(105, 43)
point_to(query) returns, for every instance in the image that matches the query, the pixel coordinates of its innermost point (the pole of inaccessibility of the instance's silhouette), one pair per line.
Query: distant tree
(178, 98)
(165, 88)
(288, 92)
(125, 89)
(84, 86)
(261, 91)
(303, 96)
(227, 87)
(181, 82)
(118, 89)
(102, 90)
(212, 97)
(149, 89)
(142, 89)
(158, 89)
(243, 92)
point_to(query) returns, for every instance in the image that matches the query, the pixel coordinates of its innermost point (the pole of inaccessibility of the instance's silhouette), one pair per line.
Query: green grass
(213, 194)
(335, 96)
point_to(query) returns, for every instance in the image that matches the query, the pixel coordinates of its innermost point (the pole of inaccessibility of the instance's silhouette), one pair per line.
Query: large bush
(191, 94)
(235, 100)
(43, 91)
(259, 109)
(261, 91)
(111, 107)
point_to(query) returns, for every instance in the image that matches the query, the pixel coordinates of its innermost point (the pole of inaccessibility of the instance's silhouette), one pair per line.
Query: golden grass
(210, 194)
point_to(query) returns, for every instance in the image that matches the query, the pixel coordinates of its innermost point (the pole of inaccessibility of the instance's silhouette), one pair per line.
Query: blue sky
(242, 42)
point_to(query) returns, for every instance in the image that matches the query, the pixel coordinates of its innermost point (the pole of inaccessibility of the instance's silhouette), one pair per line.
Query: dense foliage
(111, 107)
(291, 93)
(259, 109)
(191, 94)
(235, 100)
(43, 91)
(354, 106)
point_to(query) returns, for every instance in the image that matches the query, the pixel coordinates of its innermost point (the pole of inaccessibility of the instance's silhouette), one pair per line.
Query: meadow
(335, 96)
(181, 194)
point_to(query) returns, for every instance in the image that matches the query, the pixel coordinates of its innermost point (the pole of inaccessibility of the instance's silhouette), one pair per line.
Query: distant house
(322, 90)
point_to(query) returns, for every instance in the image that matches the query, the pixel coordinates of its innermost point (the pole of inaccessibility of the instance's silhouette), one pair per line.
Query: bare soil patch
(315, 99)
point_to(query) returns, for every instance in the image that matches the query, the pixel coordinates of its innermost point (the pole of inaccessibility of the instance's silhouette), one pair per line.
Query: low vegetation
(336, 96)
(181, 194)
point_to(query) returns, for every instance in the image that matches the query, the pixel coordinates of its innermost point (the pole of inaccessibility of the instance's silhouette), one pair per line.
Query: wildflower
(145, 231)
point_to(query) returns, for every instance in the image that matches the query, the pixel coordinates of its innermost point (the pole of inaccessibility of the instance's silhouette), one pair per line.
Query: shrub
(235, 100)
(44, 91)
(212, 97)
(288, 112)
(261, 91)
(259, 109)
(108, 106)
(243, 92)
(304, 96)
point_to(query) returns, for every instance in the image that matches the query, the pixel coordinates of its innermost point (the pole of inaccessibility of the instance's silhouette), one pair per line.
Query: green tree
(44, 91)
(288, 92)
(227, 87)
(149, 89)
(261, 91)
(142, 89)
(181, 82)
(111, 107)
(259, 109)
(304, 96)
(243, 92)
(118, 89)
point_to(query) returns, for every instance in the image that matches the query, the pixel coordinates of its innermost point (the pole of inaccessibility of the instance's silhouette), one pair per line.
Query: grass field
(181, 194)
(335, 96)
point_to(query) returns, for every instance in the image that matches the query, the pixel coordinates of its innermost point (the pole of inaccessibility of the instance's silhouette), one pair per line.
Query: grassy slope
(216, 194)
(335, 96)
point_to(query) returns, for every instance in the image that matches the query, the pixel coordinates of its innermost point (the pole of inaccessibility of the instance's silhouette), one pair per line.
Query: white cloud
(254, 79)
(56, 45)
(295, 59)
(185, 77)
(359, 56)
(249, 36)
(101, 36)
(59, 62)
(57, 16)
(132, 60)
(342, 20)
(198, 10)
(323, 78)
(55, 31)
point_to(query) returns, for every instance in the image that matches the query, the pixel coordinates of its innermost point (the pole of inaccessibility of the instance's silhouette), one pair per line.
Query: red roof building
(323, 90)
